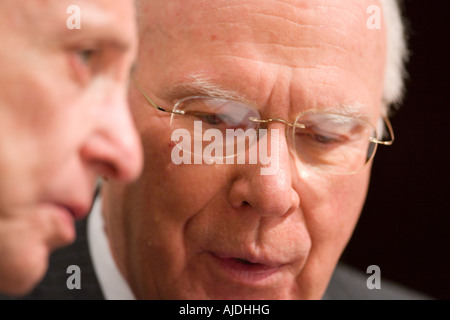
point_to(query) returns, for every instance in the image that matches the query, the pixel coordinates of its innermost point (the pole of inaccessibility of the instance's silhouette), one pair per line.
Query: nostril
(105, 170)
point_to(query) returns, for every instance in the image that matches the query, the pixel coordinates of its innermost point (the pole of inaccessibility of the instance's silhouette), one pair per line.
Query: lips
(245, 267)
(77, 211)
(248, 259)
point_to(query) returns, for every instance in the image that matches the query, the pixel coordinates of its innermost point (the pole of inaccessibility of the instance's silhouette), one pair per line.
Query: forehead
(304, 40)
(41, 18)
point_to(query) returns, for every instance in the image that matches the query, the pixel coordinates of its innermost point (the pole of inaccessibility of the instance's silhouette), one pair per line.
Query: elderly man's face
(226, 231)
(64, 119)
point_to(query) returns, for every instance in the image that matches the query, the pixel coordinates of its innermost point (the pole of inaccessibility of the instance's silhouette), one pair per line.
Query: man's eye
(212, 119)
(324, 139)
(85, 62)
(86, 56)
(317, 138)
(209, 118)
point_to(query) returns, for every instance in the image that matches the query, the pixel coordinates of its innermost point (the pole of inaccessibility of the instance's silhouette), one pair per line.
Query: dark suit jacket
(346, 283)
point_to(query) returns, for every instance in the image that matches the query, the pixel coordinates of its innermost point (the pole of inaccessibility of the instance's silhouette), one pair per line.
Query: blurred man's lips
(77, 212)
(246, 268)
(62, 221)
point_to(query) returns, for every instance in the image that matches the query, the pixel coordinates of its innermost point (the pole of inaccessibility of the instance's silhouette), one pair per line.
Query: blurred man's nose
(270, 192)
(114, 149)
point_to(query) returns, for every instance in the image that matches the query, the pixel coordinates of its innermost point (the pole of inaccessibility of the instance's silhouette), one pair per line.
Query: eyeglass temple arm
(149, 100)
(391, 133)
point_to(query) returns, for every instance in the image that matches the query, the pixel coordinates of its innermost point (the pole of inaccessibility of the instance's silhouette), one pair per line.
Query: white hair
(397, 53)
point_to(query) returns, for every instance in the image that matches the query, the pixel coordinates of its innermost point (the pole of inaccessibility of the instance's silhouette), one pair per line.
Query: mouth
(76, 211)
(246, 269)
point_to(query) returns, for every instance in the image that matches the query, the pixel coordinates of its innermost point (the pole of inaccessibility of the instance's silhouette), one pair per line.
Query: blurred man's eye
(85, 62)
(86, 56)
(92, 58)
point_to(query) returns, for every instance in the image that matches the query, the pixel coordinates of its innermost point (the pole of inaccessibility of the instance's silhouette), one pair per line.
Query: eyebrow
(200, 85)
(101, 30)
(354, 109)
(108, 40)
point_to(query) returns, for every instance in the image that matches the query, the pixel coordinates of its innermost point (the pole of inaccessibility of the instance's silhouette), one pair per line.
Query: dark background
(405, 224)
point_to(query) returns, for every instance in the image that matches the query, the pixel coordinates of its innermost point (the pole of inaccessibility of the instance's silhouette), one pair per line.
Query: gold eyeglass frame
(293, 125)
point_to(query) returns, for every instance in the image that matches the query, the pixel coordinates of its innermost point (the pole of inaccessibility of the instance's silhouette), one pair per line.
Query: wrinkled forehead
(40, 18)
(305, 36)
(286, 23)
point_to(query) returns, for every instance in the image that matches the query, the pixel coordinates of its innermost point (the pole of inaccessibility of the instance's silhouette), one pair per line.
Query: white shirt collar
(112, 283)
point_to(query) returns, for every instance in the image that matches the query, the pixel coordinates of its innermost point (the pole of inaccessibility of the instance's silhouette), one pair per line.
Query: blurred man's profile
(64, 121)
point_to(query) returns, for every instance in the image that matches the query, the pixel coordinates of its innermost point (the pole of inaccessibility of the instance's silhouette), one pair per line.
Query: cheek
(331, 207)
(181, 189)
(331, 215)
(39, 131)
(351, 195)
(169, 195)
(159, 208)
(50, 120)
(334, 207)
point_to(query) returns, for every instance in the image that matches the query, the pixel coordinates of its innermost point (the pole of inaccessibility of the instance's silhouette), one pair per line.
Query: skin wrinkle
(305, 25)
(201, 85)
(303, 47)
(209, 89)
(350, 15)
(358, 52)
(308, 48)
(317, 66)
(239, 5)
(295, 24)
(271, 14)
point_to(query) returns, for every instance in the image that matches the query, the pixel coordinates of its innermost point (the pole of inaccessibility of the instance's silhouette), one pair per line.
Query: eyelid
(84, 68)
(326, 135)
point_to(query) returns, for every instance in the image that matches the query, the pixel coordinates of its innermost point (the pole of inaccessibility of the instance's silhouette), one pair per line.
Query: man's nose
(114, 149)
(270, 192)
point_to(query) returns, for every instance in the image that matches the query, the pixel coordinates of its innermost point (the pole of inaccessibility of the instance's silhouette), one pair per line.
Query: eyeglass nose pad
(265, 123)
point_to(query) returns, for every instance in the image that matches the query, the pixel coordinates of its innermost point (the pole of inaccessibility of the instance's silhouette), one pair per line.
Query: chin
(21, 273)
(243, 293)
